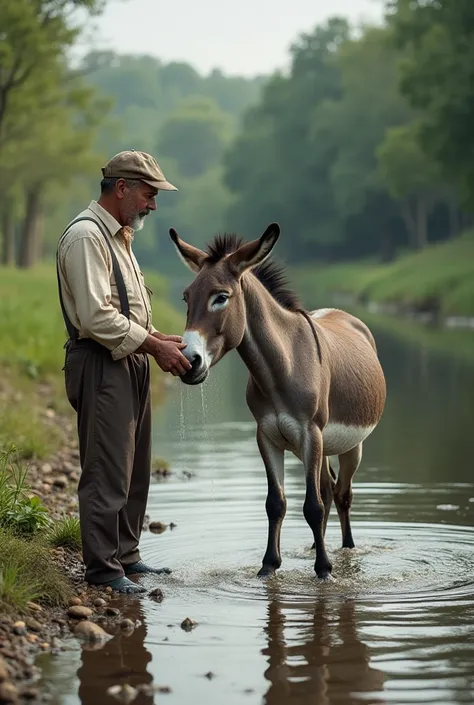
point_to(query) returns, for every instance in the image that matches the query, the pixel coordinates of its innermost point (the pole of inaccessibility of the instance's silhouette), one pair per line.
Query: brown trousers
(112, 401)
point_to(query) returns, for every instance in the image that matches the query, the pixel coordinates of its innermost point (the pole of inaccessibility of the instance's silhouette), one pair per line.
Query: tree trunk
(8, 230)
(421, 229)
(454, 219)
(409, 220)
(31, 231)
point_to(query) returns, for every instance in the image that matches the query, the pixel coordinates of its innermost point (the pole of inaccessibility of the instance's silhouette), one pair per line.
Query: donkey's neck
(267, 348)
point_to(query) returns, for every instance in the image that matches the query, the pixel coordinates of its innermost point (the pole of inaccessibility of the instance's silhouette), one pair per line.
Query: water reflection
(122, 660)
(315, 655)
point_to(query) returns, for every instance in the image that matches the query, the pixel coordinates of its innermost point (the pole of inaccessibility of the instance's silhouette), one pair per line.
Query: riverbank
(434, 284)
(43, 600)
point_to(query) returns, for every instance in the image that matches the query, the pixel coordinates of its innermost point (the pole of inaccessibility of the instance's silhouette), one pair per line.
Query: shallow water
(396, 625)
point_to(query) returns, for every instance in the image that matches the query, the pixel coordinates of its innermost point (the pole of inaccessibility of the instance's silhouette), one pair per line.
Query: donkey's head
(216, 318)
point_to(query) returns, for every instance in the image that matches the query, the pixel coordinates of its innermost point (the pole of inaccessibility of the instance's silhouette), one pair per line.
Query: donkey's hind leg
(348, 464)
(328, 481)
(273, 458)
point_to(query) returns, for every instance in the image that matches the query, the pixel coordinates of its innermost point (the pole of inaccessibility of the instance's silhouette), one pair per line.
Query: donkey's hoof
(325, 576)
(266, 571)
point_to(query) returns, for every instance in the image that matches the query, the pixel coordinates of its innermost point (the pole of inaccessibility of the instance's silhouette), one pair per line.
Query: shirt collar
(112, 225)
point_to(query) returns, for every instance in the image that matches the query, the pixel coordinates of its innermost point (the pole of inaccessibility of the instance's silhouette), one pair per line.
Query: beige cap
(137, 165)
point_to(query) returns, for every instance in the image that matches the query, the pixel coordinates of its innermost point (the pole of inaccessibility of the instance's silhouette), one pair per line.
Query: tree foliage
(436, 39)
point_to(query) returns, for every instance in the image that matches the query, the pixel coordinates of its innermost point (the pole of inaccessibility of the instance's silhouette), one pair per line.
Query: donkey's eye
(218, 301)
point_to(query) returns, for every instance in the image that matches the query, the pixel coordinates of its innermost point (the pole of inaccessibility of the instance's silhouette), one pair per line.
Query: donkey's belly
(288, 433)
(339, 438)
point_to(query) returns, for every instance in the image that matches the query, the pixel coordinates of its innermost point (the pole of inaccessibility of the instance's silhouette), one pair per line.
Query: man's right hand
(167, 354)
(170, 358)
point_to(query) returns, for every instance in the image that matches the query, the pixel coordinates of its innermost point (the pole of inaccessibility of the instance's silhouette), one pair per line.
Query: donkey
(315, 388)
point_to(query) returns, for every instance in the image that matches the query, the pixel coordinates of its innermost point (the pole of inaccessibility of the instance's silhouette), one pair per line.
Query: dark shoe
(123, 585)
(141, 567)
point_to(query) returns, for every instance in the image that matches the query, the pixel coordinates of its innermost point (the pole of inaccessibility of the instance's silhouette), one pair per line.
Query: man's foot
(123, 585)
(141, 567)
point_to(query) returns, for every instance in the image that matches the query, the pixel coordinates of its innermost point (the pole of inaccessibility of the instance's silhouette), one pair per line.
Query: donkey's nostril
(196, 361)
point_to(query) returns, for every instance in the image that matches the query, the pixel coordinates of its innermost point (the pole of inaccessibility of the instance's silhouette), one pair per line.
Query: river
(397, 623)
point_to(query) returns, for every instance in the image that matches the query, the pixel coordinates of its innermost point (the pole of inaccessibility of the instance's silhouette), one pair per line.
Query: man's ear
(192, 257)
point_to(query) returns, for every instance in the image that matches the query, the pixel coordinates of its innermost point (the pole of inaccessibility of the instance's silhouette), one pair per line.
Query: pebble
(4, 672)
(127, 624)
(125, 693)
(157, 527)
(100, 602)
(91, 631)
(156, 594)
(75, 601)
(29, 693)
(79, 612)
(188, 624)
(112, 612)
(8, 693)
(19, 628)
(33, 606)
(61, 481)
(33, 624)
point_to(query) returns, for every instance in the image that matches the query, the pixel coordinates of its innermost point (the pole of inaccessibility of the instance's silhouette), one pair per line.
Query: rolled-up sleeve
(86, 268)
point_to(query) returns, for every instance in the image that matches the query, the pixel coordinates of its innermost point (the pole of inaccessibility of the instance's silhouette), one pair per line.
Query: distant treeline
(363, 149)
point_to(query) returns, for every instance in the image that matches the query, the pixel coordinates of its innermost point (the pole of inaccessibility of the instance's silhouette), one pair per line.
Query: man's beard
(138, 220)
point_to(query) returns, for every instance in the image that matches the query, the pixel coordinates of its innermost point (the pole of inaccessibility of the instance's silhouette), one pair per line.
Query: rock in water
(125, 693)
(91, 632)
(79, 612)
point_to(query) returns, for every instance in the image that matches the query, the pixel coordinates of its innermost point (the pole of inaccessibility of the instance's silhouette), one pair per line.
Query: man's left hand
(172, 338)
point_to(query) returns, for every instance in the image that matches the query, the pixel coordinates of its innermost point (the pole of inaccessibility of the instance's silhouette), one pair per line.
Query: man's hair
(107, 184)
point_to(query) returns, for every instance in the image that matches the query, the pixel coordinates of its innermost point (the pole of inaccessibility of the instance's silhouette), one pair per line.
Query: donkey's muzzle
(197, 373)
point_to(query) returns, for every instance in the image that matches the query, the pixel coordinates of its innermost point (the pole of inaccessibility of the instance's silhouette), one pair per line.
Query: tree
(411, 178)
(437, 75)
(278, 167)
(195, 136)
(43, 112)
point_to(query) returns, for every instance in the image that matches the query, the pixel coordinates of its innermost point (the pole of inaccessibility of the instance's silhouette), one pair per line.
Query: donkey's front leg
(273, 458)
(313, 507)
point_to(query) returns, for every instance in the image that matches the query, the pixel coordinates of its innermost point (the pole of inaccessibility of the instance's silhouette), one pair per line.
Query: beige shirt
(88, 287)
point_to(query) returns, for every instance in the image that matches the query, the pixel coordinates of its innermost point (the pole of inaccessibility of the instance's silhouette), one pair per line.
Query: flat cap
(137, 165)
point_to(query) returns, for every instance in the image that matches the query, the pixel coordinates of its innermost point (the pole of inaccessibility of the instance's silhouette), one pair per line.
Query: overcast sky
(240, 36)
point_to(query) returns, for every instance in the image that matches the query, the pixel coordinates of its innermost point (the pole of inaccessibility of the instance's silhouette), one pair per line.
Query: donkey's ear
(192, 257)
(254, 253)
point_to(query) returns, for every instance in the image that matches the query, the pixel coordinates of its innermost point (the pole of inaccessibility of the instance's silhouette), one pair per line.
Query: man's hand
(167, 353)
(162, 336)
(170, 358)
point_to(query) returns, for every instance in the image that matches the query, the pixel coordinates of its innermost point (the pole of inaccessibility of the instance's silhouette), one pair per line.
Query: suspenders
(122, 291)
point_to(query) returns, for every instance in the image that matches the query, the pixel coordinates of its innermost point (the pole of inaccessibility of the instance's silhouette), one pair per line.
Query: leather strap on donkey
(122, 291)
(306, 315)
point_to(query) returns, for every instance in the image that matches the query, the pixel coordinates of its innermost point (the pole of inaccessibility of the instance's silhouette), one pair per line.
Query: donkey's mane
(270, 273)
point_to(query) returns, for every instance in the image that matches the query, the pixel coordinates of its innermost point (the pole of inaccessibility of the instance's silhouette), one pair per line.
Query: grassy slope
(443, 273)
(32, 336)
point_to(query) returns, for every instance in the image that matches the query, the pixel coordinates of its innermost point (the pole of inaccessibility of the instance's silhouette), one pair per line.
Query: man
(107, 311)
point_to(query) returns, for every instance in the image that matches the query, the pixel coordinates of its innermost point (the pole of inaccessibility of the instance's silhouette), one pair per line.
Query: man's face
(136, 203)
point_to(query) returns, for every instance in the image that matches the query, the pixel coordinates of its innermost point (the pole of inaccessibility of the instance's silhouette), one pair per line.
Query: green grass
(65, 533)
(442, 274)
(27, 569)
(28, 573)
